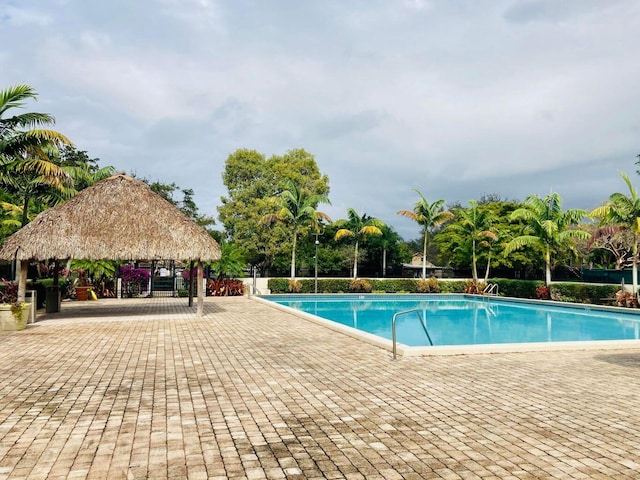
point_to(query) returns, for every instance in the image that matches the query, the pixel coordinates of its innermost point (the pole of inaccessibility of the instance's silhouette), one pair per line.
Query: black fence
(601, 275)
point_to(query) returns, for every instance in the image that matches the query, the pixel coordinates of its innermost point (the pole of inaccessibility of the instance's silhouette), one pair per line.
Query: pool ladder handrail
(490, 289)
(393, 327)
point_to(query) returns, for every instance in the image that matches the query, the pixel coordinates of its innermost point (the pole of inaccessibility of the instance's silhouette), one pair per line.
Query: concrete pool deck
(144, 389)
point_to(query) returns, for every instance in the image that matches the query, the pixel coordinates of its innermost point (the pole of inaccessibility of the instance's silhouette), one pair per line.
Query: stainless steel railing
(393, 327)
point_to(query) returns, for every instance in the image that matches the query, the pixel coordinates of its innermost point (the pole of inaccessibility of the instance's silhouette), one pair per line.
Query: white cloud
(456, 99)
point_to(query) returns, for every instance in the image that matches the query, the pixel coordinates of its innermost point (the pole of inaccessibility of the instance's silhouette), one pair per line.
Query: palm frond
(520, 242)
(408, 213)
(370, 230)
(14, 96)
(343, 232)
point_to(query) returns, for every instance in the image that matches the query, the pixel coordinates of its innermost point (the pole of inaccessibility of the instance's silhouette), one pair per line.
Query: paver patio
(143, 389)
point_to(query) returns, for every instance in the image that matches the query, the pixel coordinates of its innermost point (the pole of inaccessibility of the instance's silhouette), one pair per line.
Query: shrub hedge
(345, 285)
(583, 293)
(517, 288)
(568, 292)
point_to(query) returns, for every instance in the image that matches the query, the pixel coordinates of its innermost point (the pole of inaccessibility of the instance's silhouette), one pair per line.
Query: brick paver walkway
(142, 389)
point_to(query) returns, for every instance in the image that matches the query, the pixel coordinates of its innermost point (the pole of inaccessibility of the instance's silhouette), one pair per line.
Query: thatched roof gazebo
(119, 218)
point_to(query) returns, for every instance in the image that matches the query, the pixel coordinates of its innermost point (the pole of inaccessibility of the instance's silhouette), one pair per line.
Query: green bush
(451, 286)
(341, 285)
(394, 285)
(516, 288)
(583, 293)
(278, 285)
(568, 292)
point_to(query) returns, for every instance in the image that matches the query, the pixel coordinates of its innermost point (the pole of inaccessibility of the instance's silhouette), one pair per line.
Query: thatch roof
(119, 218)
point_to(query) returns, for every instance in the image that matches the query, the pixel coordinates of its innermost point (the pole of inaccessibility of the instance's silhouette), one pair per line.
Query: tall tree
(27, 153)
(456, 248)
(83, 169)
(20, 133)
(359, 228)
(252, 181)
(476, 227)
(384, 251)
(297, 209)
(428, 216)
(547, 225)
(624, 211)
(187, 205)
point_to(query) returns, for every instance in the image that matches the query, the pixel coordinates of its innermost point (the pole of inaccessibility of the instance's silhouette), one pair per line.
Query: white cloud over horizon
(457, 99)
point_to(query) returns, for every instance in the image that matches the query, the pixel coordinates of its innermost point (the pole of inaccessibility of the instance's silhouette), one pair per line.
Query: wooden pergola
(119, 218)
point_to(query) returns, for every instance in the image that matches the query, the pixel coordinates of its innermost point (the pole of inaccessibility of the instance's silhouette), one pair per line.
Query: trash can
(52, 299)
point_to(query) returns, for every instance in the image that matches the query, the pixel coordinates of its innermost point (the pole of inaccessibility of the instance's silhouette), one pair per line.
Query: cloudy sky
(455, 98)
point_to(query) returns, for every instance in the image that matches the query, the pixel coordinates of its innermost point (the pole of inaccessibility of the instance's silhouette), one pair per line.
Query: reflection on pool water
(467, 320)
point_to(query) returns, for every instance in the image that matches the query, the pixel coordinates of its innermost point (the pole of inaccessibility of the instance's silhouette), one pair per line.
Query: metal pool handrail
(490, 289)
(393, 327)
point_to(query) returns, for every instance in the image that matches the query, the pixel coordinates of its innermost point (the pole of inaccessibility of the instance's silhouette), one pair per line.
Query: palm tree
(624, 211)
(476, 226)
(26, 152)
(18, 133)
(388, 239)
(298, 210)
(358, 227)
(428, 216)
(546, 225)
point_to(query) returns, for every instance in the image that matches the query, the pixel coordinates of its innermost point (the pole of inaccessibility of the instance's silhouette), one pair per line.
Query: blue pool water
(465, 320)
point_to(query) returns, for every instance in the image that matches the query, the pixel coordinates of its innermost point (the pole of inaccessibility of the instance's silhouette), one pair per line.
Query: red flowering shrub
(542, 292)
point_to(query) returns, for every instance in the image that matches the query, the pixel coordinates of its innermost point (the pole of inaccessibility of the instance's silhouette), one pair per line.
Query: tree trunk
(474, 262)
(384, 262)
(25, 210)
(355, 262)
(293, 256)
(424, 255)
(486, 273)
(634, 268)
(548, 266)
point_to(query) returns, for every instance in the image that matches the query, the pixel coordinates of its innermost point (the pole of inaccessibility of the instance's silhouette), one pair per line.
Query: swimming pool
(466, 320)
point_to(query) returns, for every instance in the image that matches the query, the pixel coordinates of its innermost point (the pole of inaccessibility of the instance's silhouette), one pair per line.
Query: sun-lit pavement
(143, 389)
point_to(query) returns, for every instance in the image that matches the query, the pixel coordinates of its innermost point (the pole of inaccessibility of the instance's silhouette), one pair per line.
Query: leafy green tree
(231, 263)
(476, 228)
(28, 169)
(383, 251)
(187, 205)
(252, 181)
(547, 225)
(19, 134)
(297, 209)
(83, 169)
(456, 248)
(428, 216)
(624, 211)
(359, 228)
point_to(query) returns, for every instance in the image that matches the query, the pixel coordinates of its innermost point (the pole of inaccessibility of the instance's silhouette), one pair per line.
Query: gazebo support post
(22, 280)
(200, 290)
(191, 284)
(56, 273)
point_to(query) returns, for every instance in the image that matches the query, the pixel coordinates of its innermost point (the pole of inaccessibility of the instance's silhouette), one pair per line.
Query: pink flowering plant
(9, 295)
(134, 280)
